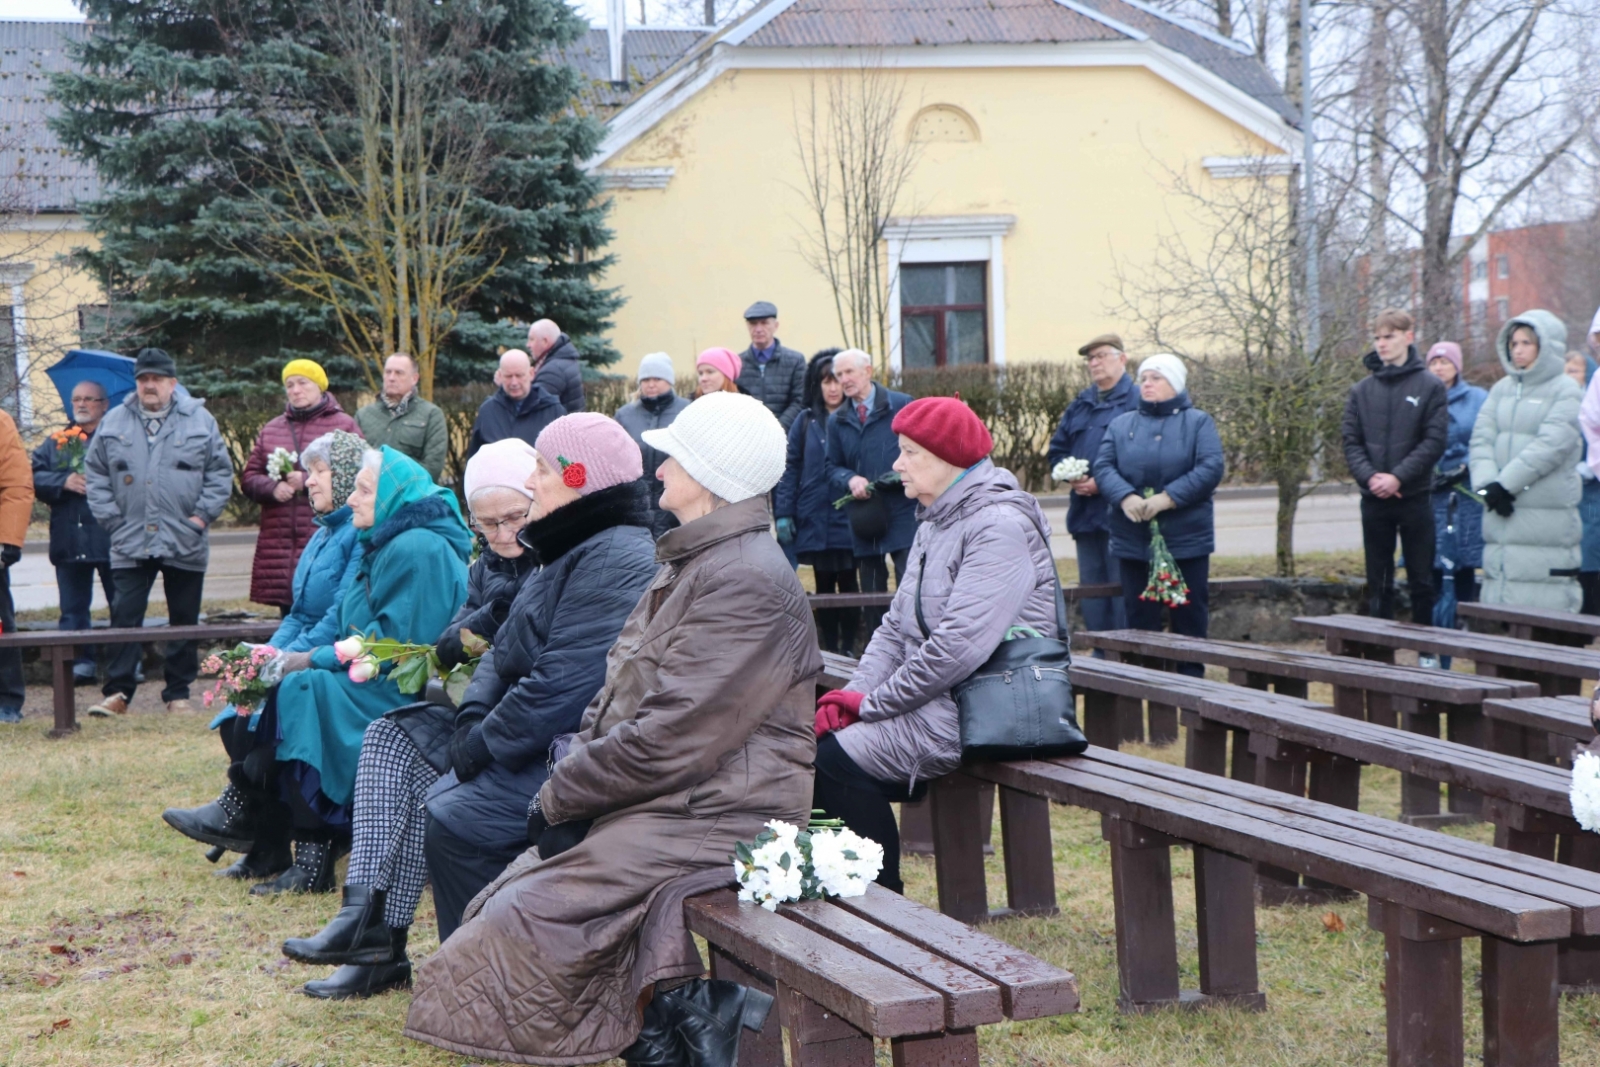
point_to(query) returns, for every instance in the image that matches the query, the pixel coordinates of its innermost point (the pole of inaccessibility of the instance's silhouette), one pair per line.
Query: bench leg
(1225, 907)
(1207, 747)
(1163, 724)
(1141, 891)
(755, 1050)
(957, 802)
(1130, 719)
(1527, 842)
(1337, 781)
(1467, 726)
(1521, 1010)
(817, 1037)
(1419, 796)
(1423, 1002)
(953, 1048)
(1380, 709)
(1100, 719)
(65, 705)
(1030, 855)
(1244, 761)
(1279, 884)
(1291, 687)
(1579, 957)
(916, 828)
(1350, 702)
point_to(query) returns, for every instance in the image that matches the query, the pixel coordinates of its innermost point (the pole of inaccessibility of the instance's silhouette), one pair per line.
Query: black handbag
(1019, 704)
(869, 518)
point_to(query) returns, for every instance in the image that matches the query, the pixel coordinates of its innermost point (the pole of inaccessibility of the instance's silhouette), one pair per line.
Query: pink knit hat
(1446, 350)
(503, 464)
(592, 451)
(724, 359)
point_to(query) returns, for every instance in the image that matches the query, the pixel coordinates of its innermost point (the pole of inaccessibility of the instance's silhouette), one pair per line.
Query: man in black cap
(773, 374)
(157, 475)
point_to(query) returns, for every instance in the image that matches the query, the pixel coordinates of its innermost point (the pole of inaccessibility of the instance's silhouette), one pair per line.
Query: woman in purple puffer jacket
(287, 521)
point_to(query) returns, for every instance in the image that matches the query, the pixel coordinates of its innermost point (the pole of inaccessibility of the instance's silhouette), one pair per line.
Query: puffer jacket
(870, 451)
(330, 562)
(654, 414)
(1526, 438)
(780, 383)
(285, 526)
(492, 584)
(1171, 447)
(1396, 421)
(701, 733)
(1451, 508)
(804, 492)
(561, 374)
(16, 485)
(75, 536)
(981, 564)
(500, 417)
(143, 491)
(1082, 426)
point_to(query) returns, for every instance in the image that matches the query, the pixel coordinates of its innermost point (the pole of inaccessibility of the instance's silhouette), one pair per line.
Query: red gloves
(837, 709)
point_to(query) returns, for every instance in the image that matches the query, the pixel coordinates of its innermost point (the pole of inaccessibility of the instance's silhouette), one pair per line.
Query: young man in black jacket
(1396, 425)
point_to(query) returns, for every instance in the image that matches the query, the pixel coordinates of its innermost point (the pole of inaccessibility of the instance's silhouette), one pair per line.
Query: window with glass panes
(943, 314)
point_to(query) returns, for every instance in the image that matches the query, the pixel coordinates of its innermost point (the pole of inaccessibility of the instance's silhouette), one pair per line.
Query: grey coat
(1527, 439)
(982, 562)
(143, 491)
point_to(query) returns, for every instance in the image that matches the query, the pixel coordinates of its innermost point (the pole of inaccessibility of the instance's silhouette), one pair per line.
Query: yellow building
(1049, 134)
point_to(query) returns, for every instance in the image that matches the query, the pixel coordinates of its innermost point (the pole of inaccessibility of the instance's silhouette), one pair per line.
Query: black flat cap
(154, 361)
(761, 309)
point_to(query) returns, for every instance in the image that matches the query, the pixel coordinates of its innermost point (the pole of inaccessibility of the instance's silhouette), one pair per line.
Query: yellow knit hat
(306, 368)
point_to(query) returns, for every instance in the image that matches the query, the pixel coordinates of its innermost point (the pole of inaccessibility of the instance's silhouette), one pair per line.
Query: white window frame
(15, 276)
(951, 239)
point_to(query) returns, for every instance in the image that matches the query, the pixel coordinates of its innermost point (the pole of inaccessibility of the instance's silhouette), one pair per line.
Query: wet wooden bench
(1539, 728)
(1493, 656)
(1534, 624)
(846, 971)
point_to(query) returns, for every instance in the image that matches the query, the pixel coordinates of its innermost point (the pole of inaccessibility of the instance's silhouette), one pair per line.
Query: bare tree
(856, 156)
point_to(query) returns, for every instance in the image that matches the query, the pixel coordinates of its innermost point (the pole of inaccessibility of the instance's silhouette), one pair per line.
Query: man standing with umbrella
(80, 548)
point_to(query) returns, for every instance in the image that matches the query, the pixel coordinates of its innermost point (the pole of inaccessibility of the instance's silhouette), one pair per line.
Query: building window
(1502, 266)
(1502, 308)
(1480, 270)
(10, 395)
(942, 122)
(943, 315)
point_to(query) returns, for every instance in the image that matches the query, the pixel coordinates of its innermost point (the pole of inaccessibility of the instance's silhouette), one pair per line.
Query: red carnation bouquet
(1166, 584)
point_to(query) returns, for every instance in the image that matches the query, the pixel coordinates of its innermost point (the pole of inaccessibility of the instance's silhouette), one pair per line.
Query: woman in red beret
(980, 565)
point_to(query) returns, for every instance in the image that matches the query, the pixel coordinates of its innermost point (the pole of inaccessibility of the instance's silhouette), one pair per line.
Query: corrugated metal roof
(892, 23)
(646, 53)
(52, 179)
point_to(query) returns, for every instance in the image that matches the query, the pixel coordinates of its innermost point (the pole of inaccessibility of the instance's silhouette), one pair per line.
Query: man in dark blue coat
(862, 449)
(521, 407)
(80, 547)
(1082, 426)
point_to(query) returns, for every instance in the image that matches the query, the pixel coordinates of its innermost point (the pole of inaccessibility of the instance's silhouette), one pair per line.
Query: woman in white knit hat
(701, 733)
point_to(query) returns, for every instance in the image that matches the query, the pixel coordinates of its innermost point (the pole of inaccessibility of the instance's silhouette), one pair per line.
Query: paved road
(1328, 521)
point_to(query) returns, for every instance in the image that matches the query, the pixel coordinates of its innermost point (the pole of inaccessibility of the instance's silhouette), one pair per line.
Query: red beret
(946, 427)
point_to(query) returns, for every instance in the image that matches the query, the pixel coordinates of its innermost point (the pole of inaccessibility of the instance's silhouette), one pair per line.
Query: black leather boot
(710, 1016)
(229, 821)
(365, 980)
(659, 1044)
(356, 935)
(312, 871)
(266, 860)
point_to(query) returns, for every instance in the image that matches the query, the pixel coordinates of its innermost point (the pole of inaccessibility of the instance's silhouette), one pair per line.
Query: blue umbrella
(113, 372)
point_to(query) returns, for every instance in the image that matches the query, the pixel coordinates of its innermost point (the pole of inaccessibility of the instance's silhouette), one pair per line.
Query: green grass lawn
(118, 947)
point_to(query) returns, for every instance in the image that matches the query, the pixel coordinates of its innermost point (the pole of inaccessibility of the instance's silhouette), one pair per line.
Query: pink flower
(349, 649)
(363, 669)
(209, 698)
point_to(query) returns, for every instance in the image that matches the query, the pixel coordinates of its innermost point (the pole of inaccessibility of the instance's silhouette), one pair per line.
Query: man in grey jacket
(158, 475)
(771, 373)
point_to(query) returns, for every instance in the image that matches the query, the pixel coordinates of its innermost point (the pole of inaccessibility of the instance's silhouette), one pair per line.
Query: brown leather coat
(701, 733)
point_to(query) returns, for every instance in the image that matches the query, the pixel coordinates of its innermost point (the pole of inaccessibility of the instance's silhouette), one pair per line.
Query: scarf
(398, 407)
(154, 419)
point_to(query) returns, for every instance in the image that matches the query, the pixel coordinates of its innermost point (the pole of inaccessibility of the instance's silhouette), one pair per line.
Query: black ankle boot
(710, 1016)
(659, 1044)
(312, 871)
(356, 935)
(357, 980)
(265, 860)
(229, 821)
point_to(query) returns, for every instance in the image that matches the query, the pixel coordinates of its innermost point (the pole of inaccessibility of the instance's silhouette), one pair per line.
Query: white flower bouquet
(1585, 790)
(1070, 469)
(280, 464)
(787, 863)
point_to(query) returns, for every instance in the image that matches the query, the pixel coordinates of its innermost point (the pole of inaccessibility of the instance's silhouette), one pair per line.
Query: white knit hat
(1169, 367)
(728, 442)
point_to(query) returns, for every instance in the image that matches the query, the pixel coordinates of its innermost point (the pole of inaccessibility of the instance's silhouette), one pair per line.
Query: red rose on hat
(573, 475)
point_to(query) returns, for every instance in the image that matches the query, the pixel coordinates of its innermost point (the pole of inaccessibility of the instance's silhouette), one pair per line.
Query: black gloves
(536, 822)
(552, 841)
(469, 754)
(9, 554)
(1443, 480)
(1498, 500)
(449, 649)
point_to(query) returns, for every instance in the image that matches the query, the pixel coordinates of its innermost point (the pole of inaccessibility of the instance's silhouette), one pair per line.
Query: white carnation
(1585, 790)
(844, 862)
(1070, 469)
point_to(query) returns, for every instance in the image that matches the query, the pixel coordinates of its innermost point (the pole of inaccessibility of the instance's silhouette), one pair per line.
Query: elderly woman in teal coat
(302, 753)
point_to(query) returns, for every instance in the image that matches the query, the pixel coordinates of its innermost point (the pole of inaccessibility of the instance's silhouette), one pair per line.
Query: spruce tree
(237, 140)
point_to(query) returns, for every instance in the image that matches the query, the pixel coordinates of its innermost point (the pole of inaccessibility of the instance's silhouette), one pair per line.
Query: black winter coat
(781, 384)
(561, 374)
(500, 417)
(549, 658)
(1396, 421)
(492, 584)
(1082, 426)
(870, 451)
(804, 492)
(75, 535)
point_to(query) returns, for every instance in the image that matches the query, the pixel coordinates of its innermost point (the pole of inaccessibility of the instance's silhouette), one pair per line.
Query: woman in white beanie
(654, 409)
(1169, 446)
(701, 733)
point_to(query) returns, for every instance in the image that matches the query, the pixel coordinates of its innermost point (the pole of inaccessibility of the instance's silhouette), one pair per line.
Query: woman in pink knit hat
(718, 370)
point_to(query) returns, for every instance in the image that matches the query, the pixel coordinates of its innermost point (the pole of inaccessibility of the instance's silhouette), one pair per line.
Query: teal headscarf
(401, 482)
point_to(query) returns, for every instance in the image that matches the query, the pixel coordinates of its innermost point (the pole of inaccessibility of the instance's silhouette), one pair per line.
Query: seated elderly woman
(326, 568)
(412, 578)
(477, 768)
(701, 733)
(980, 564)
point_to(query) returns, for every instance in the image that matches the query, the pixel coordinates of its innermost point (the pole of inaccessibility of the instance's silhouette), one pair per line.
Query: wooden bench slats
(1144, 683)
(1567, 716)
(1533, 618)
(1031, 988)
(1502, 651)
(867, 994)
(1220, 825)
(970, 999)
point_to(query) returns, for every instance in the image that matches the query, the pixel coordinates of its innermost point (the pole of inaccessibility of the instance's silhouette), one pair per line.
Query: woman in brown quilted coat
(701, 733)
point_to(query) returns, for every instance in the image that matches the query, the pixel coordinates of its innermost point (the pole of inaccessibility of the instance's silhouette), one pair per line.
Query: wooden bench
(1413, 697)
(1495, 657)
(847, 971)
(60, 648)
(1535, 624)
(1539, 728)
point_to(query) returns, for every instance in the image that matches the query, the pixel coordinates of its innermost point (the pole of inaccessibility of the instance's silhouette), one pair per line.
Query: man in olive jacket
(1396, 426)
(401, 419)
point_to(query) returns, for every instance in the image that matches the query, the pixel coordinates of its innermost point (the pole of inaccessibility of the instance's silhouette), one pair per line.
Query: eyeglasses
(492, 527)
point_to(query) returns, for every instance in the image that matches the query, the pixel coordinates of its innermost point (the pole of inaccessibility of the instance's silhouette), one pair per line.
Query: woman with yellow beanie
(287, 521)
